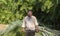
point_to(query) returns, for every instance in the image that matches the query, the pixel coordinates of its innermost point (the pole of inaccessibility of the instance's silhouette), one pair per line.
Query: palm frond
(13, 29)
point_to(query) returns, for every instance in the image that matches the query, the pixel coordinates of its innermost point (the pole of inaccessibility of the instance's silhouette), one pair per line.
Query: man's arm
(23, 25)
(36, 25)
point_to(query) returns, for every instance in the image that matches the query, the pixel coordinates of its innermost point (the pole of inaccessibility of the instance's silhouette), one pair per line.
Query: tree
(45, 10)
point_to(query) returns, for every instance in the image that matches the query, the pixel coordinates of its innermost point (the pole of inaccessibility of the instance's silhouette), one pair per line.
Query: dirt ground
(2, 26)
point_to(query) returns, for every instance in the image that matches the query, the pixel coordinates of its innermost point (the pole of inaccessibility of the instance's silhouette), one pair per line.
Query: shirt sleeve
(23, 25)
(36, 23)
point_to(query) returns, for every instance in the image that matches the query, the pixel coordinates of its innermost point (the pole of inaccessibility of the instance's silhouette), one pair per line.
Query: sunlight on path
(3, 27)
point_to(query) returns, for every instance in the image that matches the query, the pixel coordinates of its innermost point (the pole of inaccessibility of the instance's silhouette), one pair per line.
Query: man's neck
(30, 16)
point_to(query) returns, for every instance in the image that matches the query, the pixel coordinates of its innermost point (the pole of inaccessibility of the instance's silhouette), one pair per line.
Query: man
(30, 24)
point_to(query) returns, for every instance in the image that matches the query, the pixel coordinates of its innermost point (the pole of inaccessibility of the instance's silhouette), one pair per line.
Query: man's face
(30, 13)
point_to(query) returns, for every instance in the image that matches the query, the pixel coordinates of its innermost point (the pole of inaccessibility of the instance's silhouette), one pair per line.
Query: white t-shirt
(29, 22)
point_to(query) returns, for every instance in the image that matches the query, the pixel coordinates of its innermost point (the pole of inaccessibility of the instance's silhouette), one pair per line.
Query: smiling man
(30, 24)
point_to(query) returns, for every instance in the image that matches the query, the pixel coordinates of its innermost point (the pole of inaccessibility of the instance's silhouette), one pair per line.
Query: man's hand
(37, 29)
(23, 30)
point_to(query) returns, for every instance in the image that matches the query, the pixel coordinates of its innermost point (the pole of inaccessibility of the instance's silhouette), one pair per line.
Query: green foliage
(45, 10)
(14, 29)
(47, 5)
(8, 11)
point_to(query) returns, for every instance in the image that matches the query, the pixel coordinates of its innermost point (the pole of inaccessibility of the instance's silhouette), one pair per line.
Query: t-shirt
(29, 23)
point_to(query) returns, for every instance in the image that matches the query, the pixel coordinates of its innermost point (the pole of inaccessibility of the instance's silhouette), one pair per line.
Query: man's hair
(29, 10)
